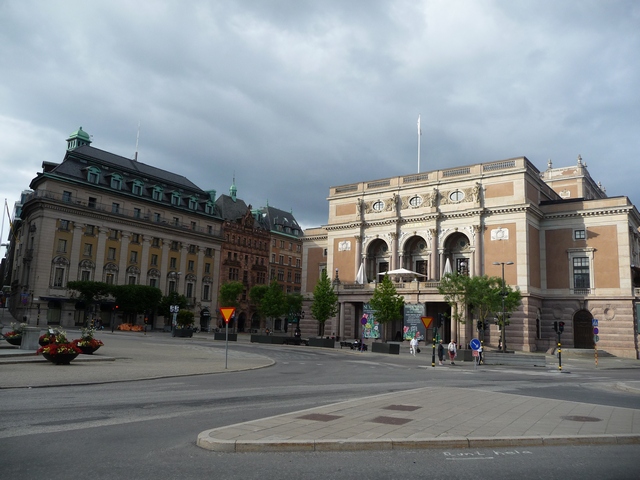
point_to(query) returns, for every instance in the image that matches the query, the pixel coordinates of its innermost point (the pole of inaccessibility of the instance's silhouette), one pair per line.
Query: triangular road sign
(227, 313)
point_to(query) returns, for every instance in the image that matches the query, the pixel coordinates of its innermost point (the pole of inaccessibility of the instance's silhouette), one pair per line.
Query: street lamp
(503, 337)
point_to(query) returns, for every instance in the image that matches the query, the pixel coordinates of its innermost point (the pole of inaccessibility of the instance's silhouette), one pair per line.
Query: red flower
(58, 348)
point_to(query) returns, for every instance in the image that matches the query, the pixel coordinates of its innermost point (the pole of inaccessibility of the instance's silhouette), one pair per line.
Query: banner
(371, 329)
(413, 313)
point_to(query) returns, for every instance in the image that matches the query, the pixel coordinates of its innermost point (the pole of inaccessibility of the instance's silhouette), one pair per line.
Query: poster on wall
(413, 312)
(370, 329)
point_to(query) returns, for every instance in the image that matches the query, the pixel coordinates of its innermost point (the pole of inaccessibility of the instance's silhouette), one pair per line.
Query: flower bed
(130, 327)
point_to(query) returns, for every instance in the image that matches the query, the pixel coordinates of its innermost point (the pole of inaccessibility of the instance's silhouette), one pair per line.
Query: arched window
(193, 203)
(175, 198)
(157, 193)
(208, 208)
(137, 187)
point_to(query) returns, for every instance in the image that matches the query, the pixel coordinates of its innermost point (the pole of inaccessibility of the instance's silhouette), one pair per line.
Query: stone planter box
(233, 337)
(272, 339)
(182, 332)
(392, 348)
(322, 342)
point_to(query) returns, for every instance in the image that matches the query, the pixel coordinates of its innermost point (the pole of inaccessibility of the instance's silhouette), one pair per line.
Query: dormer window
(157, 193)
(116, 181)
(93, 175)
(137, 187)
(193, 203)
(175, 198)
(208, 208)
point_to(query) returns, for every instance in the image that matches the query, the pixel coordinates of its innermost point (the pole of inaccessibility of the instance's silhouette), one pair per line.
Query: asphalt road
(147, 429)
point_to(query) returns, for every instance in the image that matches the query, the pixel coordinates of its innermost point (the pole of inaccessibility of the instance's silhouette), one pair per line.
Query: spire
(78, 139)
(233, 191)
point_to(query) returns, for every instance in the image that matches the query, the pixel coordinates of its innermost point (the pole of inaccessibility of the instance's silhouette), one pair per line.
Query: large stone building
(575, 251)
(102, 217)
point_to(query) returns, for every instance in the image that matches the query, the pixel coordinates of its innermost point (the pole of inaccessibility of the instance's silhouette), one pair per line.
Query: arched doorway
(415, 256)
(378, 260)
(582, 329)
(205, 318)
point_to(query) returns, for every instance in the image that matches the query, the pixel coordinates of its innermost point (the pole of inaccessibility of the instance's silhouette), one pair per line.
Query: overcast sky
(295, 96)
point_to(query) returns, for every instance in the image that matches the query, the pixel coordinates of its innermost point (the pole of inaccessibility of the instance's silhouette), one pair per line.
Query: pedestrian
(480, 358)
(413, 345)
(440, 353)
(452, 351)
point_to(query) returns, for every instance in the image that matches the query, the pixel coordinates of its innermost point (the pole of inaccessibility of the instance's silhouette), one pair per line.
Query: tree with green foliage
(137, 298)
(173, 298)
(325, 302)
(229, 294)
(185, 319)
(273, 303)
(89, 293)
(454, 288)
(386, 303)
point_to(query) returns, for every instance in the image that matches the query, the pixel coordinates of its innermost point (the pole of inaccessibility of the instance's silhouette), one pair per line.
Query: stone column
(394, 250)
(76, 250)
(477, 254)
(144, 260)
(100, 254)
(164, 266)
(433, 257)
(184, 248)
(358, 240)
(340, 328)
(124, 259)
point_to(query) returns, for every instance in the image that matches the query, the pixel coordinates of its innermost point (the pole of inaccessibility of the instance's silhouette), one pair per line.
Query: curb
(205, 441)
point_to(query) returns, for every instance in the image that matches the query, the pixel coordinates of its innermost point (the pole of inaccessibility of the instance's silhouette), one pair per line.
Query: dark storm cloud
(292, 97)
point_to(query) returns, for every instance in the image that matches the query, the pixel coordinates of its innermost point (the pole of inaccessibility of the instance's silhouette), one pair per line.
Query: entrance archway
(415, 256)
(582, 329)
(378, 260)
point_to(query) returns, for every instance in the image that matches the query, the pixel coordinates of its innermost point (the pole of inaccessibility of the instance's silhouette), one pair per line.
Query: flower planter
(88, 350)
(182, 332)
(60, 358)
(14, 340)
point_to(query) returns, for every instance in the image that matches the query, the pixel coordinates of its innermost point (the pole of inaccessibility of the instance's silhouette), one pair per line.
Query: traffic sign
(426, 321)
(364, 319)
(596, 330)
(227, 313)
(475, 353)
(594, 322)
(475, 344)
(596, 339)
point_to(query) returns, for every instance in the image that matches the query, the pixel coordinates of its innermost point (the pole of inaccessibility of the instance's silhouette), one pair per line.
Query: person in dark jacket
(440, 353)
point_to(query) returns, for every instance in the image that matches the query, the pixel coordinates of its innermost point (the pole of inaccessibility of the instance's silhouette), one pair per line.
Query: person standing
(440, 353)
(452, 351)
(413, 345)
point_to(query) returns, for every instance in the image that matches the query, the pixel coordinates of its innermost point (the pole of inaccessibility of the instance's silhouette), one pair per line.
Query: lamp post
(503, 337)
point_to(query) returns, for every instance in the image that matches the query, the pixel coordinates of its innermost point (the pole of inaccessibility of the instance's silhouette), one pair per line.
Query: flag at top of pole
(419, 135)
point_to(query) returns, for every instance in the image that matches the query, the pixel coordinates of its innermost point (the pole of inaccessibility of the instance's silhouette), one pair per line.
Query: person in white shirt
(413, 345)
(452, 351)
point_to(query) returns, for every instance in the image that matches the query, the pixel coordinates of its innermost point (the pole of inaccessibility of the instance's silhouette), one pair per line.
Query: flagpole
(419, 135)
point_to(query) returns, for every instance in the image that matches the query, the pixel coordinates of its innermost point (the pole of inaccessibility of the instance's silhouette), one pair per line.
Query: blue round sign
(475, 344)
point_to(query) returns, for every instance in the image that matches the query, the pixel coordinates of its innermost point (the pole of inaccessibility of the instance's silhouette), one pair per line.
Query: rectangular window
(113, 234)
(137, 213)
(153, 282)
(192, 249)
(89, 230)
(137, 189)
(209, 229)
(581, 277)
(273, 258)
(62, 246)
(207, 268)
(189, 292)
(155, 242)
(93, 202)
(133, 257)
(66, 196)
(172, 286)
(88, 249)
(289, 261)
(157, 217)
(85, 276)
(191, 265)
(115, 207)
(174, 245)
(579, 234)
(281, 260)
(135, 238)
(92, 177)
(108, 279)
(206, 288)
(176, 221)
(132, 280)
(208, 252)
(111, 253)
(154, 259)
(173, 261)
(58, 277)
(281, 275)
(64, 225)
(193, 225)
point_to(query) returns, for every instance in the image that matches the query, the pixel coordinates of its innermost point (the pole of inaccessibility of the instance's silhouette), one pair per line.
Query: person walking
(452, 351)
(440, 353)
(413, 345)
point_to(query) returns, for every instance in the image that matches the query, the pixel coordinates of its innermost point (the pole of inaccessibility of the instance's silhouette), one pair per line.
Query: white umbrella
(447, 267)
(404, 272)
(360, 276)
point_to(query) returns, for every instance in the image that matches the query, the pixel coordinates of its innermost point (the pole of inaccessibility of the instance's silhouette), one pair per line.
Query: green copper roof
(80, 134)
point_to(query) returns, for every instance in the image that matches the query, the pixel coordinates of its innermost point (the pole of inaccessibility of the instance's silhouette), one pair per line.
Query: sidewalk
(126, 356)
(418, 418)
